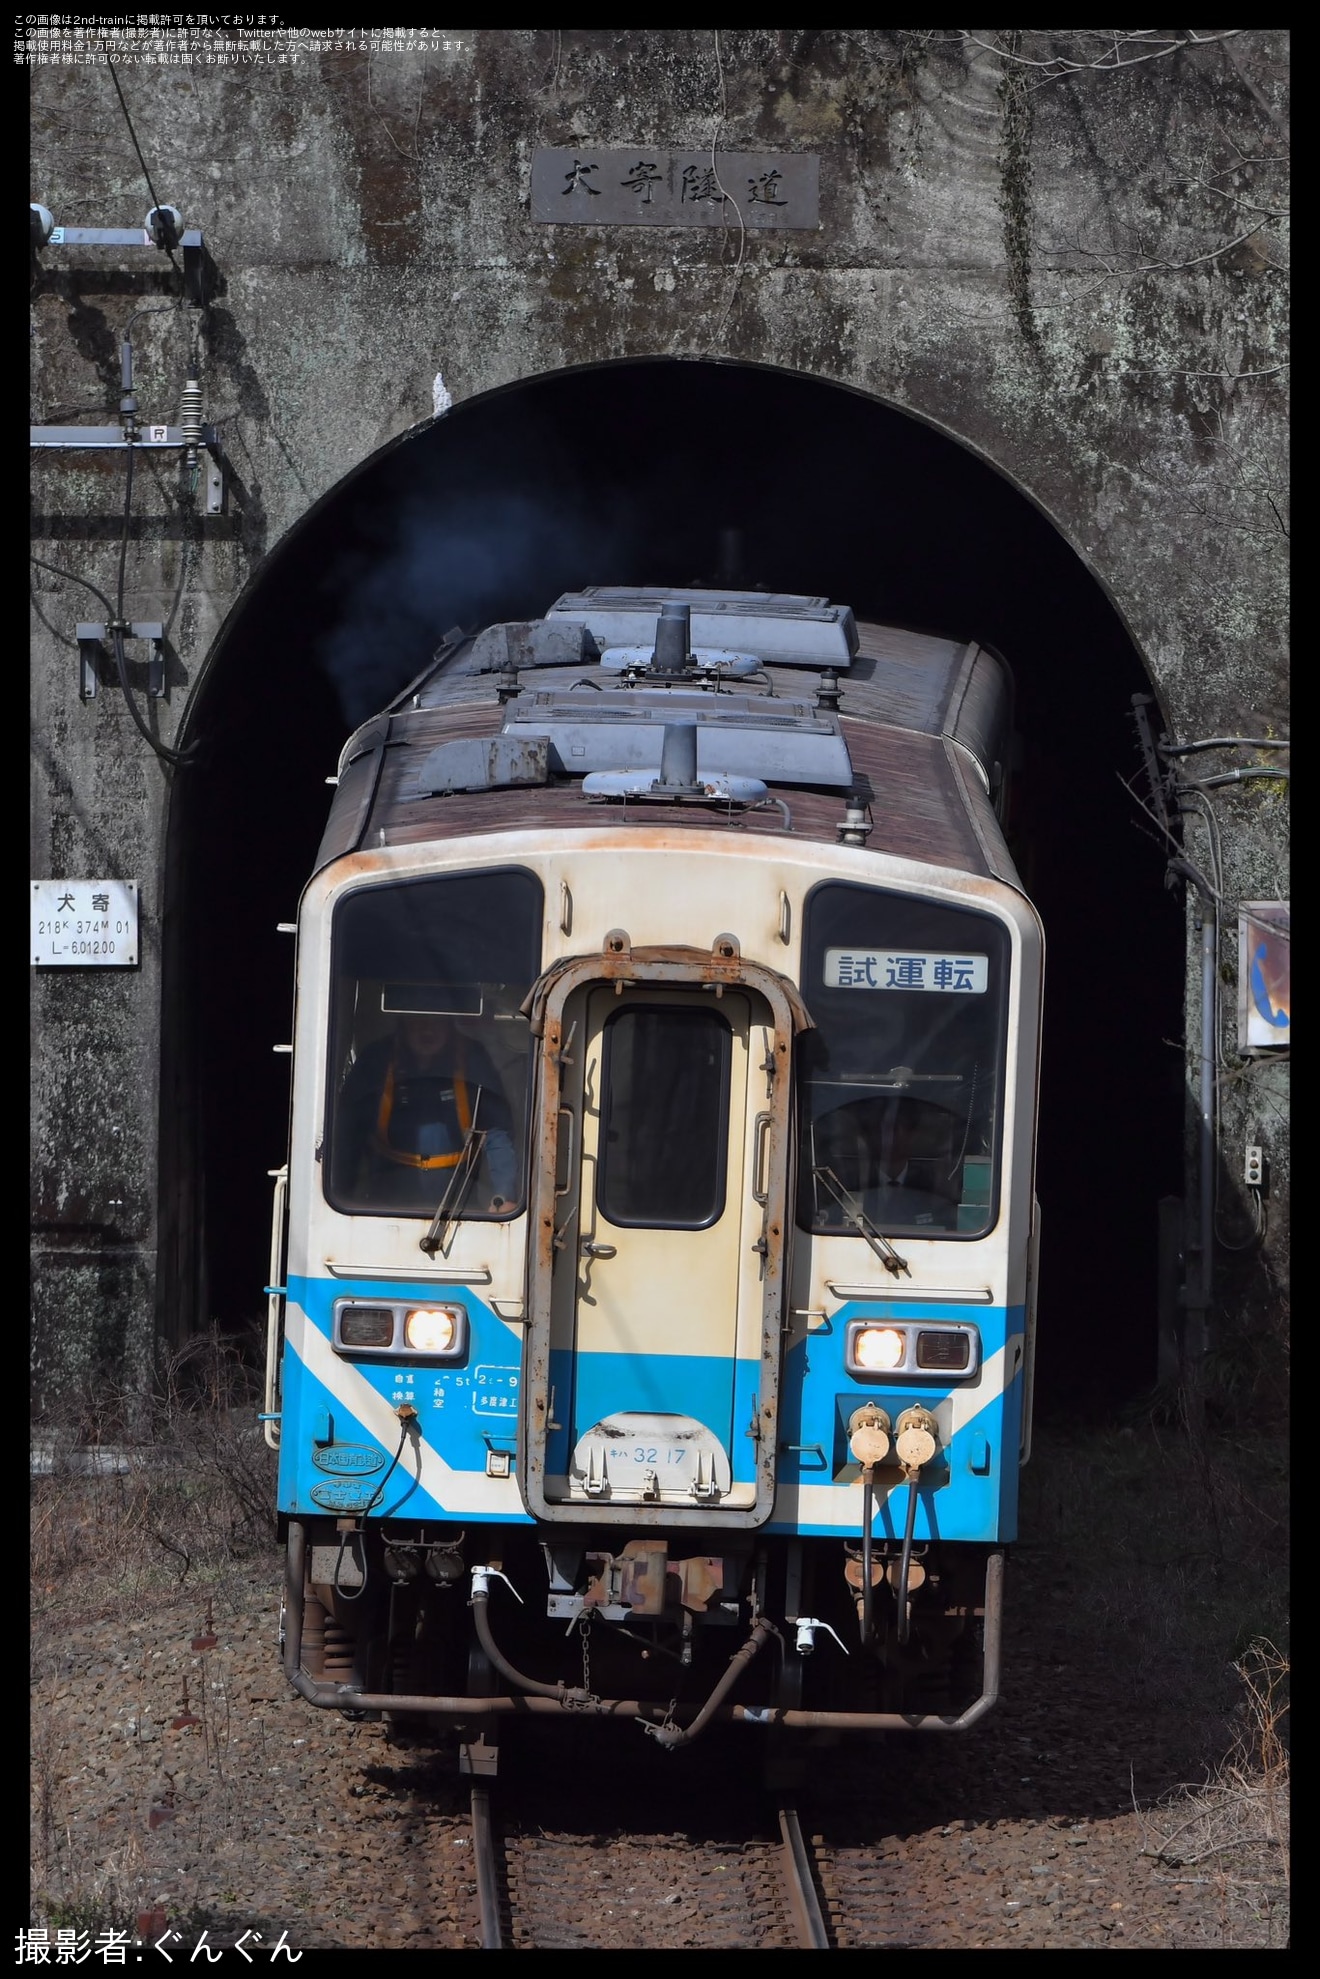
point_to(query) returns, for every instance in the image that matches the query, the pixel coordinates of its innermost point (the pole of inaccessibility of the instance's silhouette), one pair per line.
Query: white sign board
(875, 969)
(85, 924)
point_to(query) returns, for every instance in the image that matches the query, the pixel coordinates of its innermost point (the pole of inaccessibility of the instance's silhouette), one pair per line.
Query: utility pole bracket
(196, 261)
(92, 654)
(147, 438)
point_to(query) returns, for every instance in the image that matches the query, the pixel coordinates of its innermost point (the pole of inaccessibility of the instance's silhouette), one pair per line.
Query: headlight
(946, 1350)
(400, 1331)
(366, 1326)
(432, 1329)
(906, 1350)
(879, 1348)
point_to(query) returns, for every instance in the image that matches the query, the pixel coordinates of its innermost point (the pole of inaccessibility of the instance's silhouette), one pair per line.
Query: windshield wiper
(451, 1203)
(856, 1215)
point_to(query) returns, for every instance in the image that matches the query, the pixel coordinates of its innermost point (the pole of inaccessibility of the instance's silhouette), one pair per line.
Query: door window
(664, 1118)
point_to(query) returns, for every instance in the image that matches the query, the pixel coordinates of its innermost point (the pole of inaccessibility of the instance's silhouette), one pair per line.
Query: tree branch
(1055, 68)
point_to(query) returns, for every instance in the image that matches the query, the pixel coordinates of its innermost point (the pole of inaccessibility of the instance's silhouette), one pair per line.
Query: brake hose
(868, 1513)
(905, 1565)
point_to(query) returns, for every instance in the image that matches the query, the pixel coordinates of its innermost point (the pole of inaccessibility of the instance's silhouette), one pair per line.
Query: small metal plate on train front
(353, 1459)
(342, 1495)
(650, 1459)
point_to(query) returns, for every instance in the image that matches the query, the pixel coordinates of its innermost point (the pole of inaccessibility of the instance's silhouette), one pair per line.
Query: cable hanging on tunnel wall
(1172, 797)
(162, 230)
(196, 443)
(116, 628)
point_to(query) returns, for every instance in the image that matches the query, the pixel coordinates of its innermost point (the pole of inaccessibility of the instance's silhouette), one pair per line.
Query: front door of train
(658, 1217)
(656, 1301)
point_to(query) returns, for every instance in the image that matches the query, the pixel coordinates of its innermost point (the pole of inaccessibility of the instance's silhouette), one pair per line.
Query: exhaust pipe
(673, 640)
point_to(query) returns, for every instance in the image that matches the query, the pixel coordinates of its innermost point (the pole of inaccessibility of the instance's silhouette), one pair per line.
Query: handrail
(275, 1293)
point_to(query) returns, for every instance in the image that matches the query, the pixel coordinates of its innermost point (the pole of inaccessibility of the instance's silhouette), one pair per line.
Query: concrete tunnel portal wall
(1018, 373)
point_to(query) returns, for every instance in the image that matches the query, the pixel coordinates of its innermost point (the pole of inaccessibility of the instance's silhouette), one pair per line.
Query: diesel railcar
(652, 1297)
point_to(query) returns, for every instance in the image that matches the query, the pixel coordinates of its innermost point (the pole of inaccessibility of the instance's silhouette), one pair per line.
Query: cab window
(900, 1085)
(430, 1059)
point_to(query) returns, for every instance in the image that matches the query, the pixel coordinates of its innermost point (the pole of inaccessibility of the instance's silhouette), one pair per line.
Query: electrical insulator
(190, 420)
(857, 826)
(164, 226)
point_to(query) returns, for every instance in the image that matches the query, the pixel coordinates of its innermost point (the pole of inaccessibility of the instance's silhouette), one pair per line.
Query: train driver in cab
(410, 1104)
(893, 1155)
(900, 1190)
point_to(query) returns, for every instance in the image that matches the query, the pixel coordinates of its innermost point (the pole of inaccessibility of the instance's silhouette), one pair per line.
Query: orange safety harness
(380, 1140)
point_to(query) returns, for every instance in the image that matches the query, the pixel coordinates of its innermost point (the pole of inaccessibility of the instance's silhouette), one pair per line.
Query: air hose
(905, 1564)
(915, 1442)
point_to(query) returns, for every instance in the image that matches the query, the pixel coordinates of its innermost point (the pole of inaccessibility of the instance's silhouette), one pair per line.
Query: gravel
(179, 1786)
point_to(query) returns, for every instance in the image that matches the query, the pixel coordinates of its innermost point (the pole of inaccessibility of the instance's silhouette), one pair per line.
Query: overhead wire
(720, 122)
(155, 203)
(175, 758)
(1190, 793)
(74, 578)
(1179, 862)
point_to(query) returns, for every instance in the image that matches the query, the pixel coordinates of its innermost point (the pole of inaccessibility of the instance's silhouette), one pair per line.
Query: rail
(485, 1854)
(803, 1903)
(799, 1906)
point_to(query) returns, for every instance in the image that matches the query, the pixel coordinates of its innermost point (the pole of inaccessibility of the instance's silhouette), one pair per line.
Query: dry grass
(197, 1497)
(72, 1890)
(1236, 1828)
(1176, 1549)
(1178, 1542)
(120, 1528)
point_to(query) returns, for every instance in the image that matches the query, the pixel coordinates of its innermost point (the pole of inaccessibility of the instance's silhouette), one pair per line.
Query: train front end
(687, 1379)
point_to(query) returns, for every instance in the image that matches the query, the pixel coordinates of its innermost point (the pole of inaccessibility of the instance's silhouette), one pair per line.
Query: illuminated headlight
(950, 1348)
(432, 1329)
(400, 1331)
(879, 1348)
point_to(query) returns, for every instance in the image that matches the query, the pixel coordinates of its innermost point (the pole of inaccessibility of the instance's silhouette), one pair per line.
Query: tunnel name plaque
(85, 924)
(649, 187)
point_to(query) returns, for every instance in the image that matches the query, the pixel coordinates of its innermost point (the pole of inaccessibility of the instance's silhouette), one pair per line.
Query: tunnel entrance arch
(628, 473)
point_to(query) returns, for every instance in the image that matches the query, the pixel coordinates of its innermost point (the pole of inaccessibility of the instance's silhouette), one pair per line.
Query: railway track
(543, 1892)
(800, 1886)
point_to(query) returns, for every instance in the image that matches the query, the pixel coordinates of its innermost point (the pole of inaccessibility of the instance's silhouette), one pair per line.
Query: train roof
(783, 710)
